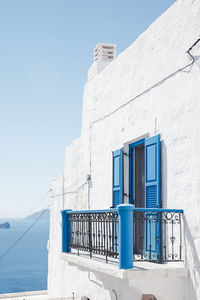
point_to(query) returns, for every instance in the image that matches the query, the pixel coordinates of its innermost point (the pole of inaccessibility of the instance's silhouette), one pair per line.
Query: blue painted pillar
(65, 225)
(125, 236)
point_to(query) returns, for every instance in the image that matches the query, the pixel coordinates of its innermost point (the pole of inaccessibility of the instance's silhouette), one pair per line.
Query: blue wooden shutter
(117, 177)
(152, 197)
(152, 172)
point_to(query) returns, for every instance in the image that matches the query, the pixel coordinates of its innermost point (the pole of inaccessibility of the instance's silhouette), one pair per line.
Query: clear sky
(46, 48)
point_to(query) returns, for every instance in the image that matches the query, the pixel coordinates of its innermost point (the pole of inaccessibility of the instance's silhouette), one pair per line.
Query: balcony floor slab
(141, 270)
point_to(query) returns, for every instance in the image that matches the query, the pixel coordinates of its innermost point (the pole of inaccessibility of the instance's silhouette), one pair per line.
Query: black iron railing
(158, 235)
(95, 232)
(128, 233)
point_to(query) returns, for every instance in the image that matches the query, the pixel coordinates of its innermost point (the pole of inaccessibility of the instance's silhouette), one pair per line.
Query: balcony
(126, 236)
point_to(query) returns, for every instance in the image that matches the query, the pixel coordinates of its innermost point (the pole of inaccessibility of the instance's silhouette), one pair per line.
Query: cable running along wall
(121, 107)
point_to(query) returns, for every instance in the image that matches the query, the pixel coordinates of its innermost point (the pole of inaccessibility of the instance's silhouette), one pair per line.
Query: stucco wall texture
(155, 96)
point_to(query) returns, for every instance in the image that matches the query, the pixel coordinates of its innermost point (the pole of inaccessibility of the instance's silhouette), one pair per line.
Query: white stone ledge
(29, 295)
(141, 270)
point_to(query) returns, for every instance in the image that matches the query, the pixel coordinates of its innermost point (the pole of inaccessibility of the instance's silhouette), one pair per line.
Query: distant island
(44, 217)
(5, 225)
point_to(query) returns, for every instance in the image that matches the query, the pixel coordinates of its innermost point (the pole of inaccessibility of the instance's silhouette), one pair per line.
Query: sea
(25, 266)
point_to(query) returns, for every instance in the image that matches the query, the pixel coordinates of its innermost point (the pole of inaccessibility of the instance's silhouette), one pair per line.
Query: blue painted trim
(153, 141)
(122, 174)
(125, 236)
(152, 183)
(140, 142)
(131, 168)
(119, 171)
(68, 211)
(65, 227)
(117, 152)
(91, 211)
(159, 210)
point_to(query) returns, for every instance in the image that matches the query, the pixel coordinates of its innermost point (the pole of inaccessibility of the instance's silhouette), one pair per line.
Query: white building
(150, 93)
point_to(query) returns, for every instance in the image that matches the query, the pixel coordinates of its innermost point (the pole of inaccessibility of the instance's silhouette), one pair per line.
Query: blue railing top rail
(95, 211)
(157, 210)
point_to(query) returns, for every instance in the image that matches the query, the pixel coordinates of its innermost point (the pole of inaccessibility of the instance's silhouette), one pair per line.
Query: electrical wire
(192, 57)
(150, 88)
(136, 97)
(71, 192)
(90, 126)
(38, 203)
(94, 281)
(115, 294)
(30, 212)
(124, 105)
(21, 237)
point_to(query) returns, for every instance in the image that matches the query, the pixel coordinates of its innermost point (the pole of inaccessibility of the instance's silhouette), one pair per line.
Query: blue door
(152, 197)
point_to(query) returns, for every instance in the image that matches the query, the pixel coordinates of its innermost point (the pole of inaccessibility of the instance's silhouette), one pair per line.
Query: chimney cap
(104, 54)
(105, 51)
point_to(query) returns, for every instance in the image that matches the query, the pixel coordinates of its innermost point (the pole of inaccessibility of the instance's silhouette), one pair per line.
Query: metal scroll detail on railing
(157, 235)
(127, 233)
(94, 232)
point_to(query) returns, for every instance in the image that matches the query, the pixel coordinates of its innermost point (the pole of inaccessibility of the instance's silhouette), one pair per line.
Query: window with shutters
(144, 173)
(144, 183)
(144, 189)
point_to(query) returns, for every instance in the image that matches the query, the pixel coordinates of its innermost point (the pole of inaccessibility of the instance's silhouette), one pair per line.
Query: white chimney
(103, 55)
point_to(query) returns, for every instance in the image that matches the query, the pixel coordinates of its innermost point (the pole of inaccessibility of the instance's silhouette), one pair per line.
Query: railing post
(125, 236)
(65, 225)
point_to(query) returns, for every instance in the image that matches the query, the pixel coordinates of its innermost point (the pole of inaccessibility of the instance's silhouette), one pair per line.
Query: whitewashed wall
(171, 107)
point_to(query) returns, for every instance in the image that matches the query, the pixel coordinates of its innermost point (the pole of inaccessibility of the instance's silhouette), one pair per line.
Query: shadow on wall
(197, 60)
(193, 285)
(118, 289)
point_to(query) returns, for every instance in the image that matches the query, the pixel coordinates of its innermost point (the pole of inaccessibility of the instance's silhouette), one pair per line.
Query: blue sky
(46, 50)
